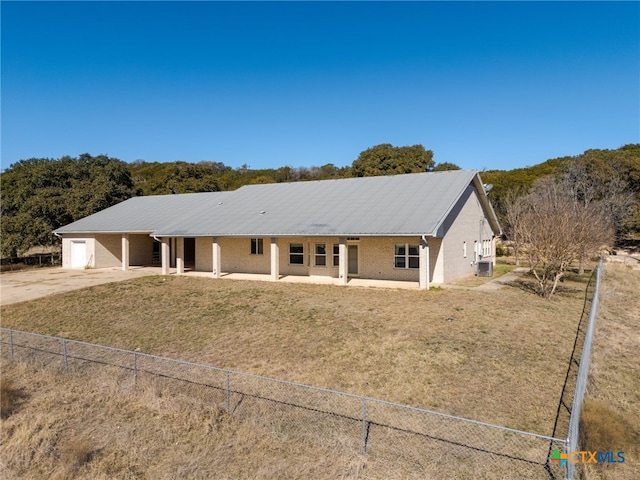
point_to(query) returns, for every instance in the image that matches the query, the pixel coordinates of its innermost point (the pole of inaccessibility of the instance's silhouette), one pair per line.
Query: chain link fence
(581, 367)
(412, 442)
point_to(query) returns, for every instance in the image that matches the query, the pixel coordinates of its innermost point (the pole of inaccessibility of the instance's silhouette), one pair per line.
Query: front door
(353, 259)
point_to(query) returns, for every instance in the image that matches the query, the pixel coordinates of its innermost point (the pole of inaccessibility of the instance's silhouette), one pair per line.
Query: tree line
(598, 187)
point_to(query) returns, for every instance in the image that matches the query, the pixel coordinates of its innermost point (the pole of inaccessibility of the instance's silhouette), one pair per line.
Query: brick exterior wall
(465, 229)
(90, 249)
(375, 257)
(140, 249)
(108, 250)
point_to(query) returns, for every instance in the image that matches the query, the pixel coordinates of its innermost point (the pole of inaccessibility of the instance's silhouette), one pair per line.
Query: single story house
(428, 228)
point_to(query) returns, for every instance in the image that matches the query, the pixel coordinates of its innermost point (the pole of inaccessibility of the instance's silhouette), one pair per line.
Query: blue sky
(484, 85)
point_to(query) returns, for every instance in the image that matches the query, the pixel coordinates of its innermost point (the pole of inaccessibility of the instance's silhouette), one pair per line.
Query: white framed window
(486, 248)
(296, 254)
(336, 255)
(406, 255)
(320, 257)
(257, 246)
(464, 249)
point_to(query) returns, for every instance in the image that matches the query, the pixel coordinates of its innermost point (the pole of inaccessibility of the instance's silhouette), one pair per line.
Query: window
(336, 255)
(464, 249)
(321, 255)
(406, 256)
(257, 246)
(486, 248)
(296, 254)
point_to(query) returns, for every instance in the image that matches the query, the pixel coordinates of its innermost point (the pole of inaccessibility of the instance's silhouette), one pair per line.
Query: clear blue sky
(484, 85)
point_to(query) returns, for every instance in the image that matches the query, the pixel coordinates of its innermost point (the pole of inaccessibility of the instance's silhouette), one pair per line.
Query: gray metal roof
(413, 204)
(142, 214)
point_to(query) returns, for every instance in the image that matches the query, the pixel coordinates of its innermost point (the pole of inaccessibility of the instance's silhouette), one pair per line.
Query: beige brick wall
(89, 244)
(105, 250)
(108, 250)
(235, 255)
(204, 254)
(465, 228)
(140, 249)
(375, 255)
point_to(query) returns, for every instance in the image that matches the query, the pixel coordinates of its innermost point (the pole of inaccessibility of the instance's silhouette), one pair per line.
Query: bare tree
(557, 230)
(606, 192)
(513, 212)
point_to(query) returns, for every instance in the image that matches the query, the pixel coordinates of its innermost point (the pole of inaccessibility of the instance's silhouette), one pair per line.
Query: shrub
(602, 428)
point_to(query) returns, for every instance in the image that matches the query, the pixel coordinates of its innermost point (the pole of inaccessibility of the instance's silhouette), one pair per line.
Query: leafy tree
(385, 159)
(41, 194)
(176, 177)
(441, 167)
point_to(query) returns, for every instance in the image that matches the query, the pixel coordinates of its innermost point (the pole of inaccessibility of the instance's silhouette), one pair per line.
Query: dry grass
(10, 396)
(496, 356)
(613, 409)
(75, 427)
(483, 355)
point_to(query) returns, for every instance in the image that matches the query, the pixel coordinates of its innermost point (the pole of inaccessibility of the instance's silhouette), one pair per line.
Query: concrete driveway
(30, 284)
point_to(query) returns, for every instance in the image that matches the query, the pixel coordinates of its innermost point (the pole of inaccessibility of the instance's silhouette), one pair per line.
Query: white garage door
(78, 254)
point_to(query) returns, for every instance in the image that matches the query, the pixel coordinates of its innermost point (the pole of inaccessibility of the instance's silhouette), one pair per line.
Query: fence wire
(409, 441)
(582, 375)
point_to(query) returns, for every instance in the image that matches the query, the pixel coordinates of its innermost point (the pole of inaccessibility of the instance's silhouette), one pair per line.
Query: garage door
(78, 254)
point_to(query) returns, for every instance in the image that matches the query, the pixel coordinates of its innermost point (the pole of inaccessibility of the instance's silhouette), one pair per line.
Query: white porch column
(125, 251)
(180, 255)
(164, 255)
(216, 257)
(424, 264)
(343, 261)
(275, 260)
(493, 250)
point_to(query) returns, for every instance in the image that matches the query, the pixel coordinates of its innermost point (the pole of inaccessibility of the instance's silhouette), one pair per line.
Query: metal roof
(142, 214)
(412, 204)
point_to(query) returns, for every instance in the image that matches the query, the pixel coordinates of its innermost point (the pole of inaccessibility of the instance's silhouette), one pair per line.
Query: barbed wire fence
(414, 442)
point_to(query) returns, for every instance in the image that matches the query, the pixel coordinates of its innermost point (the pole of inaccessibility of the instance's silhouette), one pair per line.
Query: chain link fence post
(64, 349)
(11, 343)
(228, 393)
(135, 368)
(364, 426)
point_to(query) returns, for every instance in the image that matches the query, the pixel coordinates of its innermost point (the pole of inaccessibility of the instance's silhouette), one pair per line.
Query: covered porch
(333, 264)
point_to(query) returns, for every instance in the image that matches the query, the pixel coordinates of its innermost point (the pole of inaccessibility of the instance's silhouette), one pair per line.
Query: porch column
(275, 260)
(164, 255)
(125, 251)
(424, 264)
(172, 251)
(216, 257)
(343, 262)
(179, 255)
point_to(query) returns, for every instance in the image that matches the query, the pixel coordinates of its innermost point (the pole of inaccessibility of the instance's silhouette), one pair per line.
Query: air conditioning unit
(485, 269)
